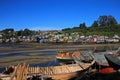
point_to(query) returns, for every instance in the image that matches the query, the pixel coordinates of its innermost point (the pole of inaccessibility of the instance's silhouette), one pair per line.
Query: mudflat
(33, 53)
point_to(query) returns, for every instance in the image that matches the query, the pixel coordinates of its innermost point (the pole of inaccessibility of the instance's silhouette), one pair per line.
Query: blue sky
(54, 14)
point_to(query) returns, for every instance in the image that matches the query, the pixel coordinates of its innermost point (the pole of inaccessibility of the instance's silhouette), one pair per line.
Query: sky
(54, 14)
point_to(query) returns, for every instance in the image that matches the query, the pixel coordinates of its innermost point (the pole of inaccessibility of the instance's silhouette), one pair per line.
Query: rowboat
(62, 72)
(113, 59)
(67, 57)
(64, 57)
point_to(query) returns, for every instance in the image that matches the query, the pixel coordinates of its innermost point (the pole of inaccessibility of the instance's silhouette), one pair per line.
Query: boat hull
(113, 61)
(65, 60)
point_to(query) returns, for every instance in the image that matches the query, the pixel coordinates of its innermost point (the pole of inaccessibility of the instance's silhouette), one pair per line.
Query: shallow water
(51, 63)
(47, 53)
(13, 54)
(44, 53)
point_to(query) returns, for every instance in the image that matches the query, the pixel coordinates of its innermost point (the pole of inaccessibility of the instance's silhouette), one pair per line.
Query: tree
(19, 33)
(75, 28)
(66, 29)
(106, 20)
(95, 24)
(82, 26)
(8, 33)
(27, 32)
(111, 21)
(102, 20)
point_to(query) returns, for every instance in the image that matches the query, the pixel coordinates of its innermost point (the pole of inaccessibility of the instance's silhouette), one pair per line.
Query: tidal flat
(35, 53)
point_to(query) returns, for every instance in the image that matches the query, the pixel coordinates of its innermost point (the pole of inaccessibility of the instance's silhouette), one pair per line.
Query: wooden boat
(100, 59)
(61, 72)
(113, 59)
(66, 57)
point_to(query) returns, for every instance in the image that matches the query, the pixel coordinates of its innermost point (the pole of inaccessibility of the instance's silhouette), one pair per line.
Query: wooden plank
(14, 73)
(26, 72)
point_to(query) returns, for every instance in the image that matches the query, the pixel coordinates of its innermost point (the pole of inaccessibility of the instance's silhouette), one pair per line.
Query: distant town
(104, 30)
(55, 36)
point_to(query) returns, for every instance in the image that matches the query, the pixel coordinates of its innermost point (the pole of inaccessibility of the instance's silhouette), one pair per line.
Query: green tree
(82, 26)
(8, 33)
(19, 33)
(111, 21)
(95, 24)
(27, 32)
(66, 29)
(106, 20)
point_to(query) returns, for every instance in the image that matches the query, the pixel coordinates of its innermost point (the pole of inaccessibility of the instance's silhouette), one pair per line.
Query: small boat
(113, 59)
(100, 59)
(64, 57)
(60, 72)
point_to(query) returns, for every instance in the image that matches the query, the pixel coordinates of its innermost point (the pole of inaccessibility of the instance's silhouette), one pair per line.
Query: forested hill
(104, 25)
